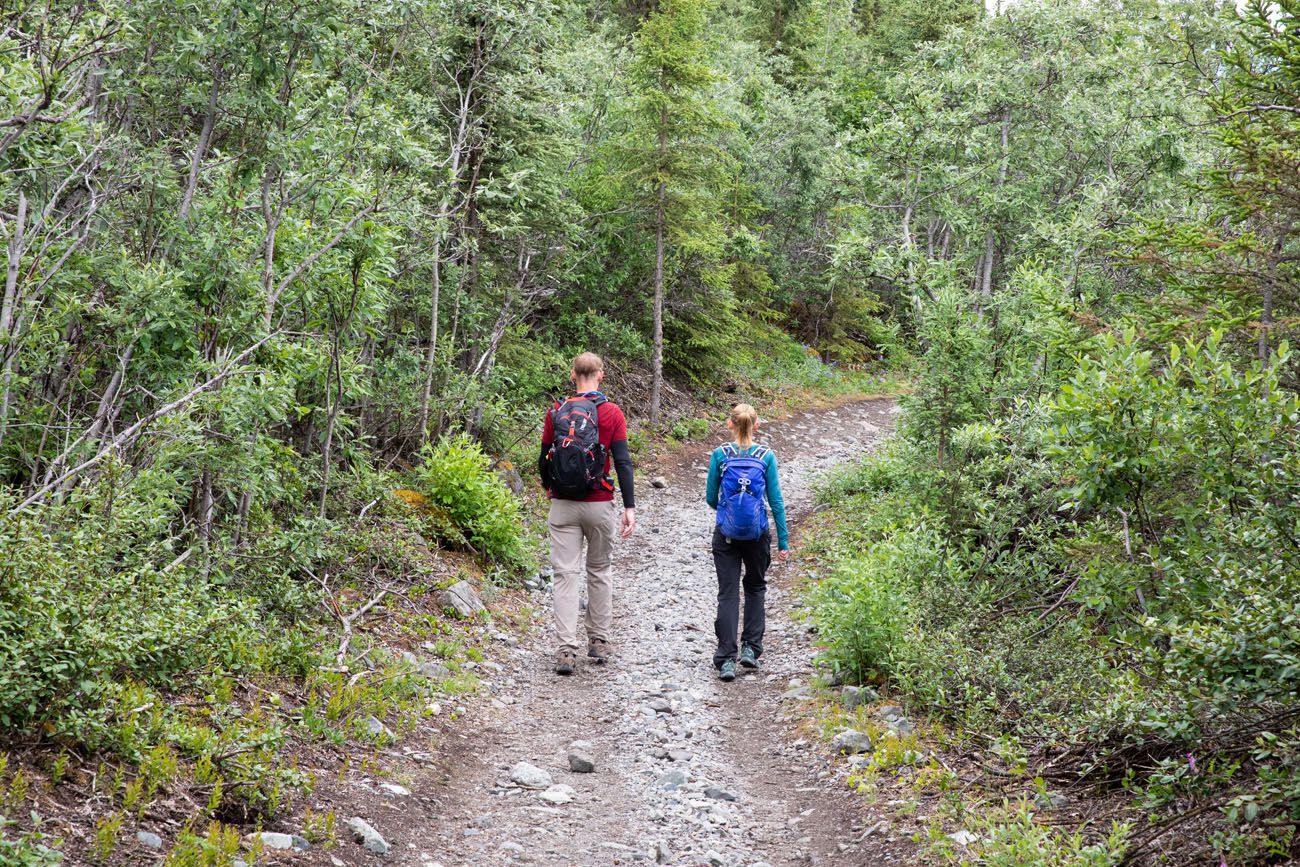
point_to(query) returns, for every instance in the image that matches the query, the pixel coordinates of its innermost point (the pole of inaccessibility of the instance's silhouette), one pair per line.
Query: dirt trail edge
(688, 770)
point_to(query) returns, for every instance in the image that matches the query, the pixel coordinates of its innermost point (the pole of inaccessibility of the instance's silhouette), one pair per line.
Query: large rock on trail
(530, 776)
(367, 836)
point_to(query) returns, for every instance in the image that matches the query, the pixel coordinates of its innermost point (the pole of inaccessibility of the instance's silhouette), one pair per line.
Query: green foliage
(953, 389)
(1116, 567)
(467, 503)
(82, 612)
(218, 847)
(1009, 837)
(30, 848)
(107, 830)
(688, 429)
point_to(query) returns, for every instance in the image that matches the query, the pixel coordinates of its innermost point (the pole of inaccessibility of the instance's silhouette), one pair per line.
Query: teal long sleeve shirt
(773, 491)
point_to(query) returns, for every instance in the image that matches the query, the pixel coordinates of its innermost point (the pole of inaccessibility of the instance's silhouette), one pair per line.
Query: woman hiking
(742, 483)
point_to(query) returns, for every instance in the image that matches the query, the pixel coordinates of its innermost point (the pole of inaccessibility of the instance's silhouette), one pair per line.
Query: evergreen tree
(675, 164)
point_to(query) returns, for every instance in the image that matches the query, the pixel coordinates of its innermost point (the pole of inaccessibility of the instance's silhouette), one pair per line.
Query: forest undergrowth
(287, 287)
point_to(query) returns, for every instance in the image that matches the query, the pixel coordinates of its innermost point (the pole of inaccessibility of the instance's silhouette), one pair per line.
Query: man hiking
(582, 437)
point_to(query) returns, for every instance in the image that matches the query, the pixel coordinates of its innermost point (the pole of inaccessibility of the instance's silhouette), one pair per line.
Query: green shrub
(1010, 837)
(468, 503)
(689, 429)
(1113, 566)
(29, 848)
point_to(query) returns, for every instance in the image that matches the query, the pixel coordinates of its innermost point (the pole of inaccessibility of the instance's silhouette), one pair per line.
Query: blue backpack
(742, 503)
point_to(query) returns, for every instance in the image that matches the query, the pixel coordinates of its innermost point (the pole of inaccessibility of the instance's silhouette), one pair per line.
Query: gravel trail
(688, 770)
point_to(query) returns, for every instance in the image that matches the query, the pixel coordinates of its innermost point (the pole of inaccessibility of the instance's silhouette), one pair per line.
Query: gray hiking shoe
(599, 650)
(728, 671)
(748, 657)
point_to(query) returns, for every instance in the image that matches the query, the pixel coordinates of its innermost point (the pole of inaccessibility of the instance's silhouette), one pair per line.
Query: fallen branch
(346, 621)
(129, 435)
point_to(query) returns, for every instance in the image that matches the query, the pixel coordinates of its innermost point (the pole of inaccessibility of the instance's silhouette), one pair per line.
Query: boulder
(367, 836)
(462, 599)
(530, 776)
(580, 762)
(851, 741)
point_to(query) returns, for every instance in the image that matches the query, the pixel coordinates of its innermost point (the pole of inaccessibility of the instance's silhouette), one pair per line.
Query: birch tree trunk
(661, 192)
(7, 331)
(431, 353)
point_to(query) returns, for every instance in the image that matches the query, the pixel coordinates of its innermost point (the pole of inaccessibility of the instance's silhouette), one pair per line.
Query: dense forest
(267, 263)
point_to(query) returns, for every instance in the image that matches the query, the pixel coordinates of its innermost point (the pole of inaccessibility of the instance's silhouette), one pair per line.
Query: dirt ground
(688, 770)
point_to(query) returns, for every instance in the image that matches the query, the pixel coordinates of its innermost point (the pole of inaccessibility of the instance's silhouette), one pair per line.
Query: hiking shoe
(564, 661)
(727, 671)
(748, 657)
(599, 650)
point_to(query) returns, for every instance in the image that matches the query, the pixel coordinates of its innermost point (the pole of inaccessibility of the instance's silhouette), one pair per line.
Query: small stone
(714, 859)
(718, 794)
(367, 836)
(376, 728)
(901, 726)
(150, 839)
(659, 483)
(890, 711)
(856, 696)
(963, 838)
(274, 841)
(558, 794)
(580, 762)
(851, 741)
(530, 776)
(434, 670)
(1050, 800)
(660, 705)
(674, 778)
(512, 848)
(663, 855)
(394, 789)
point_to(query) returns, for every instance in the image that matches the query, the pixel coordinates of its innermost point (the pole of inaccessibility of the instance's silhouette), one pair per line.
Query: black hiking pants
(728, 557)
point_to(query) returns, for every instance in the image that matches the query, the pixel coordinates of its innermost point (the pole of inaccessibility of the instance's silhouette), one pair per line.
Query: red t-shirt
(611, 427)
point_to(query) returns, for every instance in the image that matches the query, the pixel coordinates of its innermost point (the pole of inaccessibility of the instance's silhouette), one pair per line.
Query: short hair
(587, 364)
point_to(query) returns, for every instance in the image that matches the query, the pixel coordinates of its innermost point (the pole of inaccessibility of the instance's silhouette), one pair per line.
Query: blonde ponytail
(743, 418)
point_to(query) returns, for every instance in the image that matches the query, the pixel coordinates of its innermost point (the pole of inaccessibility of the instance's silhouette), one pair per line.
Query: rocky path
(687, 770)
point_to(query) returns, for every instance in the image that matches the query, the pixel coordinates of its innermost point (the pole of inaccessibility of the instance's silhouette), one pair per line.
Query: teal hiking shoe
(728, 671)
(748, 657)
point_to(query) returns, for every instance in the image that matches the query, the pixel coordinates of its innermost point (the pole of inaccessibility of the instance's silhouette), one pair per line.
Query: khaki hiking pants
(570, 522)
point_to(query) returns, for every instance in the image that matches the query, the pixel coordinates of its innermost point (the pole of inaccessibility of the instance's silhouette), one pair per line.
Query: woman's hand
(784, 555)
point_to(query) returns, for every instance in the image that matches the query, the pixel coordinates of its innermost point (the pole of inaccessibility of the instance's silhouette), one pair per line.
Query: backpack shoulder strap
(759, 452)
(729, 450)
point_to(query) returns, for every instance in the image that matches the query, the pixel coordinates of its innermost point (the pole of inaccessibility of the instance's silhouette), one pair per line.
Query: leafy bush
(80, 612)
(1010, 837)
(468, 504)
(688, 429)
(1116, 568)
(28, 849)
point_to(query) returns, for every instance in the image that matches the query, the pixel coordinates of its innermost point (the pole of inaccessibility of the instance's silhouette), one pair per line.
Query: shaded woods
(266, 263)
